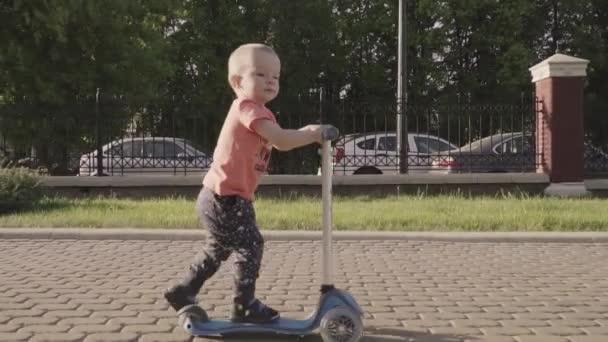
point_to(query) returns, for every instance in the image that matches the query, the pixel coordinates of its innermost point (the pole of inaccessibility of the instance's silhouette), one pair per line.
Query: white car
(376, 153)
(147, 156)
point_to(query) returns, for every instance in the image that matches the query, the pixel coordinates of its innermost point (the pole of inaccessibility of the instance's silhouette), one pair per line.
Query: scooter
(338, 317)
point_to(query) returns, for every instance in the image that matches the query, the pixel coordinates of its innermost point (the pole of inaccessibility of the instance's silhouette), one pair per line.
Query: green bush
(19, 187)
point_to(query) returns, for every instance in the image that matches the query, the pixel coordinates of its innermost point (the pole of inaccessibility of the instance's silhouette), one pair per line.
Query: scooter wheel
(341, 325)
(193, 313)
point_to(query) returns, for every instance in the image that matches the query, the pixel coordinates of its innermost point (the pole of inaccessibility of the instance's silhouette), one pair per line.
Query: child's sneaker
(256, 312)
(179, 296)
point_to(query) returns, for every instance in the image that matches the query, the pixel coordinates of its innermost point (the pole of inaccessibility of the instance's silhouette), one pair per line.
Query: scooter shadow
(370, 335)
(402, 334)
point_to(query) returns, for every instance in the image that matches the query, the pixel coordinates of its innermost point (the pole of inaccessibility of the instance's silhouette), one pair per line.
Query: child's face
(260, 80)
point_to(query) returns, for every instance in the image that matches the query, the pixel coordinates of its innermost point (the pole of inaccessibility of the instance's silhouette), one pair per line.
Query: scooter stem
(326, 184)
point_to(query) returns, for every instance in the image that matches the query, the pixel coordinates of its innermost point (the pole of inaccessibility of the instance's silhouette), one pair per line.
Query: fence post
(559, 82)
(99, 146)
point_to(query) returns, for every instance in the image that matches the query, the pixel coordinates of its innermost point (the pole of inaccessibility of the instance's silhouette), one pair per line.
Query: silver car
(147, 156)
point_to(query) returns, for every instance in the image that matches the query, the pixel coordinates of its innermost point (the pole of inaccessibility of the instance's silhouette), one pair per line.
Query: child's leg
(206, 263)
(248, 260)
(204, 267)
(249, 249)
(212, 212)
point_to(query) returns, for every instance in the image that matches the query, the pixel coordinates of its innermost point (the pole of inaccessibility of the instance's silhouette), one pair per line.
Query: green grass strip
(405, 213)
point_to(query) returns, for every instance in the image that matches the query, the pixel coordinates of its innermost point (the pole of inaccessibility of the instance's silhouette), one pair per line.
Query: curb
(196, 180)
(192, 234)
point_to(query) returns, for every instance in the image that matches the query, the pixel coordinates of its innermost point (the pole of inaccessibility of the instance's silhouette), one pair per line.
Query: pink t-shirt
(241, 155)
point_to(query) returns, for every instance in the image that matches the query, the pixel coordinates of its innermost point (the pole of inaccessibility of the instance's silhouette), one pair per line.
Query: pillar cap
(559, 65)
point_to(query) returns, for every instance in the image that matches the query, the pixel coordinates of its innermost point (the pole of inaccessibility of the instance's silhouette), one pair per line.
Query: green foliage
(166, 60)
(18, 187)
(54, 56)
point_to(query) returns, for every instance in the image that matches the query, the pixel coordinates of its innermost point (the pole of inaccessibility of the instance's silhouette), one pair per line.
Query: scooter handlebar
(330, 133)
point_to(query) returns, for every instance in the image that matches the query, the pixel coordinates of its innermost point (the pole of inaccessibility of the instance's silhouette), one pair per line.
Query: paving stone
(7, 328)
(588, 339)
(112, 337)
(147, 328)
(541, 338)
(44, 328)
(596, 330)
(475, 323)
(58, 337)
(111, 290)
(558, 331)
(19, 336)
(491, 339)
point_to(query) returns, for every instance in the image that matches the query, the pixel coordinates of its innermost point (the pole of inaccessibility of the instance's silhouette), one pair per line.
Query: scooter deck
(190, 319)
(280, 326)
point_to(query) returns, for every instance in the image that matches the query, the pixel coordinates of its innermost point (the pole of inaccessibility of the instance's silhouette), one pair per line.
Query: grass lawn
(405, 213)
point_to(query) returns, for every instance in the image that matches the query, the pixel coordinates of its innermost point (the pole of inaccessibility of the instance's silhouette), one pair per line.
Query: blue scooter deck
(279, 326)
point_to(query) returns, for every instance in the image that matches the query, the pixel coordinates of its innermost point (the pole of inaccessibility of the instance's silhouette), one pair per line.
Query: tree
(54, 57)
(164, 62)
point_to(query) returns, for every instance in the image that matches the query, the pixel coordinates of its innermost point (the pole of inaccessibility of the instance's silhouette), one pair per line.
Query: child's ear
(235, 81)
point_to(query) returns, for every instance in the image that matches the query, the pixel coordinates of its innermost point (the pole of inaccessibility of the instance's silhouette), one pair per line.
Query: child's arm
(288, 139)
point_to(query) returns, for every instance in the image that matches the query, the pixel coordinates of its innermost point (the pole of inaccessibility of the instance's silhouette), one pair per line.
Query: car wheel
(368, 170)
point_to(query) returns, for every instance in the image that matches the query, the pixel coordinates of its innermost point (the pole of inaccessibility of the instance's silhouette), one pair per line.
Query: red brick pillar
(560, 132)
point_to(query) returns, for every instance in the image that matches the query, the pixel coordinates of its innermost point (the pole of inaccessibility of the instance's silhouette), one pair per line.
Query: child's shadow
(371, 334)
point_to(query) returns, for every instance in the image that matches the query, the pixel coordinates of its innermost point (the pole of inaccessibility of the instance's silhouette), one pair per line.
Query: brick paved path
(69, 290)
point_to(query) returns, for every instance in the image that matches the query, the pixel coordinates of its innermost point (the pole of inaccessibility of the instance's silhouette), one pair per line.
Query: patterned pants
(230, 221)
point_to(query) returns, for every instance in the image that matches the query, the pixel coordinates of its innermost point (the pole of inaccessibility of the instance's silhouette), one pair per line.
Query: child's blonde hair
(239, 57)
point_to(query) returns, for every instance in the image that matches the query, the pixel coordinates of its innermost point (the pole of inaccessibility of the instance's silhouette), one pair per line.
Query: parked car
(376, 153)
(596, 160)
(147, 156)
(505, 152)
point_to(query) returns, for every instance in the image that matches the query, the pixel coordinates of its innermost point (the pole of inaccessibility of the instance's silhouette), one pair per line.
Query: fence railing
(451, 138)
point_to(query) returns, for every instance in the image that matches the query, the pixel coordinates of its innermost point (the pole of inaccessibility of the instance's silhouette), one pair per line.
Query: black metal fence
(450, 138)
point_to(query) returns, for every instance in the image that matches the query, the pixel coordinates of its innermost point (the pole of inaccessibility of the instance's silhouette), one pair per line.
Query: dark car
(504, 152)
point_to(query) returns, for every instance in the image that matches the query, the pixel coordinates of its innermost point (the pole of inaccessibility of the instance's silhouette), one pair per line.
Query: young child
(225, 204)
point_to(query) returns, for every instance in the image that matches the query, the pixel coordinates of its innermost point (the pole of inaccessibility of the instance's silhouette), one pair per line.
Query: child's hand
(316, 132)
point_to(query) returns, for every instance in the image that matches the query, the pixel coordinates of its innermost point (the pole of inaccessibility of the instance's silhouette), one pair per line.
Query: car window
(162, 149)
(127, 149)
(431, 145)
(368, 144)
(511, 146)
(387, 144)
(192, 146)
